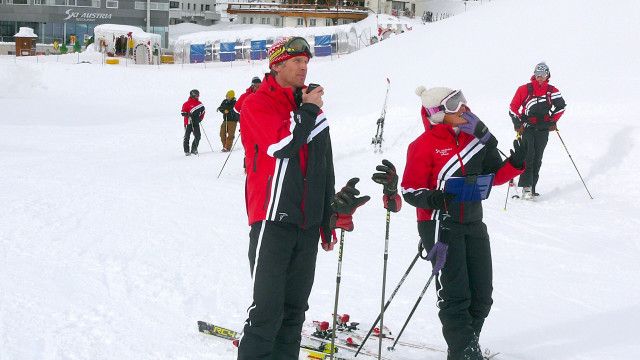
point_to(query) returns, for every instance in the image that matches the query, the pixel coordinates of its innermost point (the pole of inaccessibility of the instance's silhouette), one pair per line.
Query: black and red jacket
(289, 160)
(439, 154)
(535, 104)
(193, 109)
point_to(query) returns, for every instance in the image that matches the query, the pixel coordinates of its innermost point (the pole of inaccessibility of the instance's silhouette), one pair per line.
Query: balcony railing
(270, 7)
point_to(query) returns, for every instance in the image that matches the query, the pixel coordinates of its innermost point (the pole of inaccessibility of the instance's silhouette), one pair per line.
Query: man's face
(292, 72)
(541, 78)
(255, 86)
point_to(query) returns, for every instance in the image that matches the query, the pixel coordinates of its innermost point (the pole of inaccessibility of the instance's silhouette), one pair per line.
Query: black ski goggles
(294, 47)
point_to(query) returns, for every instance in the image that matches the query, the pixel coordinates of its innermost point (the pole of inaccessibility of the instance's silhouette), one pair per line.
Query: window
(111, 4)
(263, 21)
(244, 20)
(328, 22)
(142, 5)
(35, 2)
(277, 22)
(188, 6)
(312, 22)
(59, 2)
(85, 3)
(174, 4)
(20, 2)
(201, 7)
(251, 20)
(300, 21)
(207, 7)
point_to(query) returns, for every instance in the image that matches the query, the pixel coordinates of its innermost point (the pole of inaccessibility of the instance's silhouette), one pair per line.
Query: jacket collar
(537, 87)
(272, 89)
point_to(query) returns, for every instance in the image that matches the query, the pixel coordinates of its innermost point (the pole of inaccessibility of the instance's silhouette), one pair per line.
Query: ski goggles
(451, 104)
(295, 46)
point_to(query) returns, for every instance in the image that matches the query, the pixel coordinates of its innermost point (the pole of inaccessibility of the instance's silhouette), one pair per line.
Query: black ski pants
(464, 286)
(195, 129)
(536, 143)
(283, 262)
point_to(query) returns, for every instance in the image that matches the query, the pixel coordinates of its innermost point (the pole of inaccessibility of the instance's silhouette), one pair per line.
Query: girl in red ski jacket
(456, 144)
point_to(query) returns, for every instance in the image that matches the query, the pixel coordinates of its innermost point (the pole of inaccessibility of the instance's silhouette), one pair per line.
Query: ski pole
(511, 183)
(392, 347)
(335, 304)
(393, 294)
(206, 137)
(507, 198)
(384, 281)
(225, 162)
(574, 164)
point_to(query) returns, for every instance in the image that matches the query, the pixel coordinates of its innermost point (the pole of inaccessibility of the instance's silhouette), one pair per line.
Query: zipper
(267, 195)
(255, 157)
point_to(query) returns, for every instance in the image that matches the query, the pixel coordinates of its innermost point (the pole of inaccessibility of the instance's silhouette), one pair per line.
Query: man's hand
(519, 153)
(344, 204)
(313, 97)
(387, 177)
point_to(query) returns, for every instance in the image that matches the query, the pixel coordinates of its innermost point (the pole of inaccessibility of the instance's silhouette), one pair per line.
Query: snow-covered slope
(113, 244)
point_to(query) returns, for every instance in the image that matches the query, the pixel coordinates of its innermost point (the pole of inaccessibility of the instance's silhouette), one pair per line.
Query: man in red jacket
(193, 114)
(255, 84)
(535, 110)
(457, 144)
(290, 200)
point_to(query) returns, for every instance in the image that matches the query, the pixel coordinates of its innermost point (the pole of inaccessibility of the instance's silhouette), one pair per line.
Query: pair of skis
(317, 343)
(377, 140)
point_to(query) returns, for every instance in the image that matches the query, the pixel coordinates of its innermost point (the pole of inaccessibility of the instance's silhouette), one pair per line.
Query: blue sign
(470, 188)
(322, 45)
(258, 49)
(196, 53)
(227, 51)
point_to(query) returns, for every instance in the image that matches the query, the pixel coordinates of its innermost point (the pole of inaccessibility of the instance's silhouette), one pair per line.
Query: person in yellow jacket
(229, 120)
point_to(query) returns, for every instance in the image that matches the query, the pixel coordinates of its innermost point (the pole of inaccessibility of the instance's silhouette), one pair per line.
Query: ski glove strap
(328, 240)
(438, 253)
(392, 203)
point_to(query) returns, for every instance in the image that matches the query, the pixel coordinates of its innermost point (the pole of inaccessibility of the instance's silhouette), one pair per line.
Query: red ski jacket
(539, 105)
(242, 98)
(289, 162)
(439, 154)
(193, 109)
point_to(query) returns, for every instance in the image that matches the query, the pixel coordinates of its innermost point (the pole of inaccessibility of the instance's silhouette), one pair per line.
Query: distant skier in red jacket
(456, 146)
(193, 114)
(535, 110)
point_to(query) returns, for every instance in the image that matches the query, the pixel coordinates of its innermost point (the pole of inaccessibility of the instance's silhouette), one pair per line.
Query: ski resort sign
(85, 16)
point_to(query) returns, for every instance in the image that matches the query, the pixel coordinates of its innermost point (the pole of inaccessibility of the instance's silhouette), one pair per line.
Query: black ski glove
(344, 204)
(519, 153)
(439, 200)
(387, 177)
(184, 113)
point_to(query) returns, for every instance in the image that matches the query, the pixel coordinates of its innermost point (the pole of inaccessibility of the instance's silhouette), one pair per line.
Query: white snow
(26, 32)
(113, 244)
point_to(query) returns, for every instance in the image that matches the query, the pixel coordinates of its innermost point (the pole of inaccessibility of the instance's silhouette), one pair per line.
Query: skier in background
(255, 84)
(193, 114)
(535, 110)
(457, 144)
(229, 120)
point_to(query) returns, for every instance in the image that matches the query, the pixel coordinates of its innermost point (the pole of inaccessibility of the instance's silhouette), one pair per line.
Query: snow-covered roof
(108, 30)
(26, 32)
(264, 32)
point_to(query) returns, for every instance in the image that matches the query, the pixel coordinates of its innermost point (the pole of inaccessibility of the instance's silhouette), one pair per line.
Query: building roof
(26, 32)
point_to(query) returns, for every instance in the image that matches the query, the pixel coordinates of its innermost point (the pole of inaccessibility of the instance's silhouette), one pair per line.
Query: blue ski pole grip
(470, 188)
